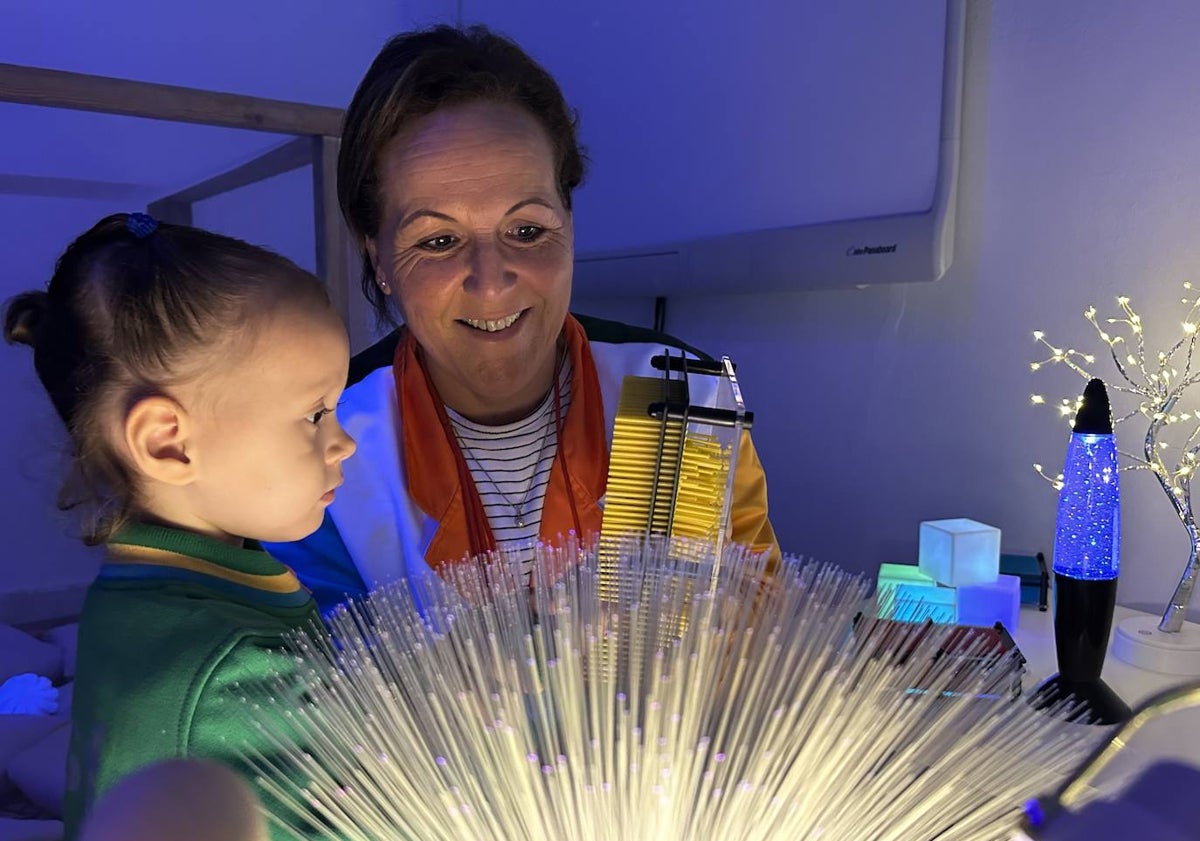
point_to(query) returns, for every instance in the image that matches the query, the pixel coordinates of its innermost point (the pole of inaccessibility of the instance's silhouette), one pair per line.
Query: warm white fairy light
(1157, 381)
(697, 706)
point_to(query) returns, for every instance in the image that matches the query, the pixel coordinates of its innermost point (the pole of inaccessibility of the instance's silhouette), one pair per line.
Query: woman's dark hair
(129, 312)
(415, 74)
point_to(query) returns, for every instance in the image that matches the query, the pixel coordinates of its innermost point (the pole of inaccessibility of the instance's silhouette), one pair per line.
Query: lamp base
(1138, 642)
(1103, 705)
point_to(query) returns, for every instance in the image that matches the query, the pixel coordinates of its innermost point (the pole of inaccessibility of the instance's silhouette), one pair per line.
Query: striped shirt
(511, 466)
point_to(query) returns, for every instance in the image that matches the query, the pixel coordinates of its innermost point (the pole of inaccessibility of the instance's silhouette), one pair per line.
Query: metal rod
(699, 414)
(710, 367)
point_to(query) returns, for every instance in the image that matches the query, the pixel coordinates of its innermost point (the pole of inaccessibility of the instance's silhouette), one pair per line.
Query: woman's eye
(527, 233)
(440, 243)
(315, 417)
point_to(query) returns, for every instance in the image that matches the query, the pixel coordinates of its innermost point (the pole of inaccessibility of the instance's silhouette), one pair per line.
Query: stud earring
(383, 287)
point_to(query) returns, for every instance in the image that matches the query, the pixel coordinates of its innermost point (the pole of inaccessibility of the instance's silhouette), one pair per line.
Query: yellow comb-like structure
(669, 465)
(643, 460)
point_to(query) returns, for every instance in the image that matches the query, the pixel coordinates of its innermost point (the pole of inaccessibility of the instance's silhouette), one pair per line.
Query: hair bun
(24, 317)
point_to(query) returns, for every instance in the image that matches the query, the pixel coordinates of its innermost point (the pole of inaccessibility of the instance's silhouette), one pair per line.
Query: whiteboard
(705, 120)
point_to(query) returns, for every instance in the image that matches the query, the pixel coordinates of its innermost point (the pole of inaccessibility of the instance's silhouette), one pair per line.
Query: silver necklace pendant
(550, 411)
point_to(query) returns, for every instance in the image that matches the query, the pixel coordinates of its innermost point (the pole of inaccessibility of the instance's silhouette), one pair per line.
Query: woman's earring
(383, 287)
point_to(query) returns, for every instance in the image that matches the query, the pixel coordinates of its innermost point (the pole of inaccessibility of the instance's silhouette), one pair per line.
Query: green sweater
(174, 625)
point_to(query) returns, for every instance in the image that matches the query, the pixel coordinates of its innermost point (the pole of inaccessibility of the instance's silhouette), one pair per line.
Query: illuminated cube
(987, 604)
(892, 576)
(916, 603)
(960, 551)
(1035, 577)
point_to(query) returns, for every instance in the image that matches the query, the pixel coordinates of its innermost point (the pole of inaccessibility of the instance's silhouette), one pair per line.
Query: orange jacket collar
(440, 483)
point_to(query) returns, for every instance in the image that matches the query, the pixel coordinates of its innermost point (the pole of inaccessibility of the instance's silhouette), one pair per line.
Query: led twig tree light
(1157, 382)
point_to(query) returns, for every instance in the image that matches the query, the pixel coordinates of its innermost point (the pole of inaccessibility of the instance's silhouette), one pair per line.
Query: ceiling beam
(84, 92)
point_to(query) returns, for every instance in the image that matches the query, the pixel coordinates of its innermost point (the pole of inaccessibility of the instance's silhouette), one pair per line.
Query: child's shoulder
(179, 623)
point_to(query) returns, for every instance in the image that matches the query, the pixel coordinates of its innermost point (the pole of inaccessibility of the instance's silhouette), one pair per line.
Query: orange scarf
(440, 482)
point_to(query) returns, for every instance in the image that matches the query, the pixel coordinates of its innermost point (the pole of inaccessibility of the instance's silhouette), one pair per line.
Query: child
(197, 376)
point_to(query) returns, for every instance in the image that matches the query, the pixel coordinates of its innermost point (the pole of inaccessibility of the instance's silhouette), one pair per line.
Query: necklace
(517, 507)
(550, 414)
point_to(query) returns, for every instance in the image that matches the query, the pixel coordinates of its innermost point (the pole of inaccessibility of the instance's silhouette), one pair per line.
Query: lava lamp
(1087, 559)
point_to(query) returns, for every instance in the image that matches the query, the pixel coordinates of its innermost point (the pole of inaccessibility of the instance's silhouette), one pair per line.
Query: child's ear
(157, 435)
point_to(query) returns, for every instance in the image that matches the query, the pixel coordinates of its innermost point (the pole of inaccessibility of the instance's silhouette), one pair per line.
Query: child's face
(268, 447)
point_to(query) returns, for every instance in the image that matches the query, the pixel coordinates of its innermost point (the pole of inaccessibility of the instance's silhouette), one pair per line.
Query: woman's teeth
(493, 326)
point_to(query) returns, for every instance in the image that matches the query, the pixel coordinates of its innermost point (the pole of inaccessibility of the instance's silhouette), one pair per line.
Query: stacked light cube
(956, 580)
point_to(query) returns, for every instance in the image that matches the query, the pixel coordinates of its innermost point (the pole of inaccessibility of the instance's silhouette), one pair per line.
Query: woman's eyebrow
(426, 213)
(420, 214)
(525, 202)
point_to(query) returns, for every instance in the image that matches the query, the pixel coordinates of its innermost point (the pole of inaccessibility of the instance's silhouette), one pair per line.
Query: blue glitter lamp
(1087, 559)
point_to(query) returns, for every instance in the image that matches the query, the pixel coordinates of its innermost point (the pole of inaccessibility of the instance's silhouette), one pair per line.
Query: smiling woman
(483, 423)
(475, 247)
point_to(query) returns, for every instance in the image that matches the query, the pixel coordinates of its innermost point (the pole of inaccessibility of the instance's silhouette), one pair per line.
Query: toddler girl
(197, 377)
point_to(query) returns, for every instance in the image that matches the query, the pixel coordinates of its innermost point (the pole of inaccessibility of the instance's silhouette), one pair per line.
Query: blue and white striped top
(511, 466)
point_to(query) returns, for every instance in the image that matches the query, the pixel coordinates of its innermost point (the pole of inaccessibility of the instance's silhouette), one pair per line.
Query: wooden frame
(317, 129)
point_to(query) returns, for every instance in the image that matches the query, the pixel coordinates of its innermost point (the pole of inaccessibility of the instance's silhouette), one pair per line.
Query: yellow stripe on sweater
(283, 582)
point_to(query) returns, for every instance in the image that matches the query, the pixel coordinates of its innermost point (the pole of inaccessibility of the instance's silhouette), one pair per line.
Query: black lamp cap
(1095, 415)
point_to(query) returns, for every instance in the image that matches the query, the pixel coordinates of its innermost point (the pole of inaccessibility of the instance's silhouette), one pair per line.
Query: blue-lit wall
(882, 407)
(877, 408)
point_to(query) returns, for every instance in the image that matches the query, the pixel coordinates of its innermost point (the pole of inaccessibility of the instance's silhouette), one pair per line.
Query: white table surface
(1175, 736)
(1035, 638)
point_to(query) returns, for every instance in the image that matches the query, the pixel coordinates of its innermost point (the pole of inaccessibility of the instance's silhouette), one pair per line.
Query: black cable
(660, 314)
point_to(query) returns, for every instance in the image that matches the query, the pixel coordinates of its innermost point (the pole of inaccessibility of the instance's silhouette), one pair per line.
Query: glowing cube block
(892, 576)
(987, 604)
(916, 603)
(960, 551)
(1035, 578)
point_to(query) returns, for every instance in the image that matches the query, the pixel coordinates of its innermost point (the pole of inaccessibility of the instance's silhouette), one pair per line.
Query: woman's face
(476, 248)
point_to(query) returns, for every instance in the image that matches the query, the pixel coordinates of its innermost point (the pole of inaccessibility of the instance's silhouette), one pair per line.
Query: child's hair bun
(24, 316)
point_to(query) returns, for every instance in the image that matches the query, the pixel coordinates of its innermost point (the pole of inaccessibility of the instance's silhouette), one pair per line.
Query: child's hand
(28, 694)
(181, 799)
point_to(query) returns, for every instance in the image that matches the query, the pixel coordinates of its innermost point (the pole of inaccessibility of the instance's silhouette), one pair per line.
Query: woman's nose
(488, 270)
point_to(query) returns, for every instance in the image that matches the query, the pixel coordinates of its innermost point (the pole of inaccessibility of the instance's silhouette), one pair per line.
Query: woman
(484, 421)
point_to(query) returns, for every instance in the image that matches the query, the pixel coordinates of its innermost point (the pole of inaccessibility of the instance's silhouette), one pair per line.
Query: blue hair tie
(141, 225)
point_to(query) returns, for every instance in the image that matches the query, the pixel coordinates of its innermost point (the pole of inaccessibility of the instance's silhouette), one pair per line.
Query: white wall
(40, 547)
(700, 120)
(305, 50)
(882, 407)
(887, 406)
